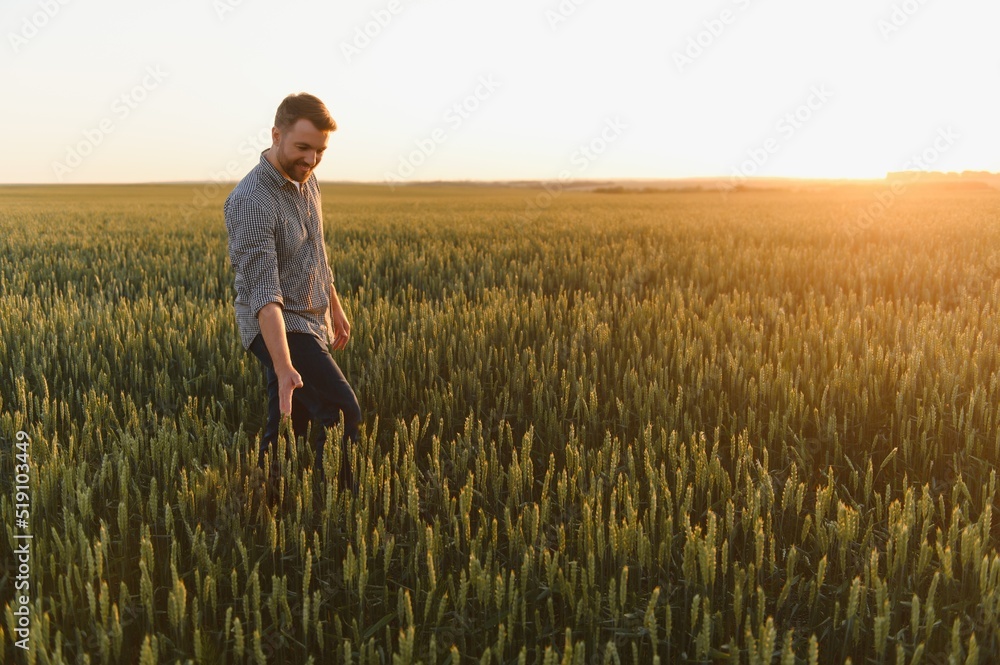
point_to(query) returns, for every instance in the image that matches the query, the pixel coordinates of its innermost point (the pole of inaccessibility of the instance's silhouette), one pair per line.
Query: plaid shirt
(276, 247)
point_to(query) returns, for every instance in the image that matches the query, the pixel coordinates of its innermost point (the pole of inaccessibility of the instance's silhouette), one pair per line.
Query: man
(287, 307)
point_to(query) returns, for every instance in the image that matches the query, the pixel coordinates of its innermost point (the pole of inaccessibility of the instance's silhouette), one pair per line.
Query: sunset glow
(436, 90)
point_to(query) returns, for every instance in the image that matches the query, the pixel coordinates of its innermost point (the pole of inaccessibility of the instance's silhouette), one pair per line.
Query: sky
(140, 91)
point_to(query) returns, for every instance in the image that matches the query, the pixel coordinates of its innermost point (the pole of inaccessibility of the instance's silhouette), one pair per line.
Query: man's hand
(272, 329)
(341, 326)
(288, 381)
(341, 329)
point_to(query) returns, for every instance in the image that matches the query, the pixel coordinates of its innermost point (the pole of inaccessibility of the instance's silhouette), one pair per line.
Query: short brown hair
(303, 105)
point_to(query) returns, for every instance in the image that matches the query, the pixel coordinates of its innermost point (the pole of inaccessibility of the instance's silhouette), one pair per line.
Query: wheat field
(680, 427)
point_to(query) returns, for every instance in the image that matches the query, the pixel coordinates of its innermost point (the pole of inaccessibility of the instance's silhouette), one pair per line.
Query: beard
(296, 170)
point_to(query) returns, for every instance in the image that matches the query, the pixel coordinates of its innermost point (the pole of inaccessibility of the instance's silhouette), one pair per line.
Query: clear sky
(139, 91)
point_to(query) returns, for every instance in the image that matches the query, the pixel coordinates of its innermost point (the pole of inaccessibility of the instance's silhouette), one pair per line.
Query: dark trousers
(323, 397)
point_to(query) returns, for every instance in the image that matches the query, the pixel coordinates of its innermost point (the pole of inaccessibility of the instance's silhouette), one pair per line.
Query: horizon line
(539, 181)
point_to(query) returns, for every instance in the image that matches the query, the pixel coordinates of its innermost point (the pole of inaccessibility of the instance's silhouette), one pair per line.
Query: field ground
(599, 427)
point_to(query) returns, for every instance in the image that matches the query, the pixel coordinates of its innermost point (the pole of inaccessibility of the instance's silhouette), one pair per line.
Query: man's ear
(275, 135)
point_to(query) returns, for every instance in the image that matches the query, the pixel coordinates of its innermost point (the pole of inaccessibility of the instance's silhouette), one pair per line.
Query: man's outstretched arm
(272, 329)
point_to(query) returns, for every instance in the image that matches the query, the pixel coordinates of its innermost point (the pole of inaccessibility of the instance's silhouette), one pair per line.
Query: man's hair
(303, 105)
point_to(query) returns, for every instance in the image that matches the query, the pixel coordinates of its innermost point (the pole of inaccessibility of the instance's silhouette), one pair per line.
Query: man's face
(299, 148)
